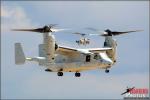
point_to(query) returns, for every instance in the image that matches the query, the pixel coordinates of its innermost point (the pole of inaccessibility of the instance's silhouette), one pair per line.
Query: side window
(105, 44)
(88, 58)
(96, 56)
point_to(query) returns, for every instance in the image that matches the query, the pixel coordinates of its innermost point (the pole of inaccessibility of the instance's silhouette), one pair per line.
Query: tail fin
(110, 42)
(19, 54)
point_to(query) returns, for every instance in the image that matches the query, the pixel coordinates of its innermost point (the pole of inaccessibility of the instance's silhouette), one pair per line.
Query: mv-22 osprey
(65, 59)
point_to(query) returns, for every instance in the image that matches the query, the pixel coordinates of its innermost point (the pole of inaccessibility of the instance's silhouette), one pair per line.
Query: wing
(73, 52)
(98, 50)
(67, 51)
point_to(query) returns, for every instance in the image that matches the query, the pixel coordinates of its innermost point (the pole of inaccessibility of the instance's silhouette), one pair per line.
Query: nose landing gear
(107, 71)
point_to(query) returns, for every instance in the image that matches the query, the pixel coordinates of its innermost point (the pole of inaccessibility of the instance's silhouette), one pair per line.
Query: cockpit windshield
(97, 56)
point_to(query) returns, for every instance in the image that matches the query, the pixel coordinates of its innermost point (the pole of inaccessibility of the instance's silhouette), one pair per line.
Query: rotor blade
(92, 29)
(94, 34)
(83, 34)
(40, 30)
(52, 25)
(58, 30)
(100, 33)
(77, 33)
(118, 33)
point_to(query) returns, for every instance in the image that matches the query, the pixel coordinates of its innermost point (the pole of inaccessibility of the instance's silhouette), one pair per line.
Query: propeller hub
(109, 33)
(47, 29)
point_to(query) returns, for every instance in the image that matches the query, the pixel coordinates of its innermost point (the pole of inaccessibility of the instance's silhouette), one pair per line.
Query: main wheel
(106, 71)
(77, 74)
(60, 73)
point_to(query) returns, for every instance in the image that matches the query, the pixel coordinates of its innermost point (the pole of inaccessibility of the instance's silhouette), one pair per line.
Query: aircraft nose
(109, 62)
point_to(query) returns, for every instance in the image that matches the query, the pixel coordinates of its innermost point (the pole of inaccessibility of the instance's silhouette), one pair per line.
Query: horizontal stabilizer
(19, 54)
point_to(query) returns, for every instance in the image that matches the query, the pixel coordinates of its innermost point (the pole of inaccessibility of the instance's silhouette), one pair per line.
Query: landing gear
(77, 74)
(106, 71)
(60, 73)
(48, 70)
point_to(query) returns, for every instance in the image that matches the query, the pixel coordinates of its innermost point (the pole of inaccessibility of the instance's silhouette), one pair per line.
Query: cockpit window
(97, 56)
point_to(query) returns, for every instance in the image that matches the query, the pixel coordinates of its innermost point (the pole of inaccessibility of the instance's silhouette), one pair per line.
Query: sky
(30, 81)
